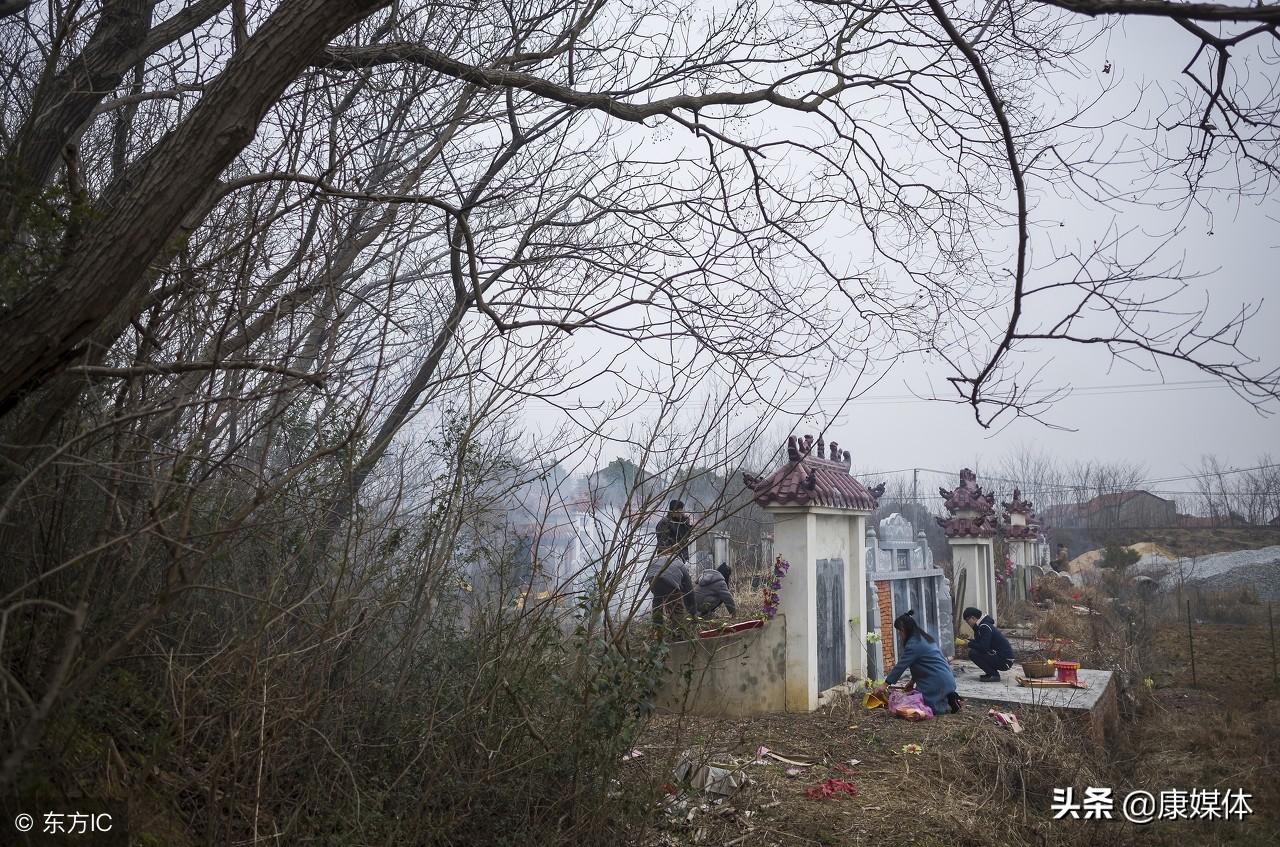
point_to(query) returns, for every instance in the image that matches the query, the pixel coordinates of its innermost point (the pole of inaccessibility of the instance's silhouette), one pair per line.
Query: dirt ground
(975, 782)
(1200, 541)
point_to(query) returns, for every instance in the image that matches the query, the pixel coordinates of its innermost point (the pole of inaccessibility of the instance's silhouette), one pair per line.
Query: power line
(1076, 391)
(1070, 486)
(1216, 473)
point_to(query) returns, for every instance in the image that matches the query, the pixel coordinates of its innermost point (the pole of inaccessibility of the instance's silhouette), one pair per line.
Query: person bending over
(930, 671)
(712, 591)
(668, 579)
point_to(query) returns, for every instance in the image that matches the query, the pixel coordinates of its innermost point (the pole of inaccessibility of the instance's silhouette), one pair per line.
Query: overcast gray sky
(1167, 427)
(1118, 412)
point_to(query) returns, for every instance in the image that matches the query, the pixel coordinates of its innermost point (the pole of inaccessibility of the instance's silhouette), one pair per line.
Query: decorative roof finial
(809, 479)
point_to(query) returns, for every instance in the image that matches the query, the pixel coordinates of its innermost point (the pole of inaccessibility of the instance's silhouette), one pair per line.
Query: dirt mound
(1148, 550)
(1262, 578)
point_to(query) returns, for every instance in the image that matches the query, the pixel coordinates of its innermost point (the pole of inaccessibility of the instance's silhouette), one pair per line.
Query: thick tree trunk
(64, 103)
(141, 210)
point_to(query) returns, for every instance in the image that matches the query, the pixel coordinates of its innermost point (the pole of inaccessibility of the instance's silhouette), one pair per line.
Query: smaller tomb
(1026, 546)
(1095, 707)
(970, 527)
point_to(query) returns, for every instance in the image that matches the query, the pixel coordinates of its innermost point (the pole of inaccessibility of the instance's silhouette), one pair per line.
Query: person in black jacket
(674, 531)
(712, 590)
(988, 649)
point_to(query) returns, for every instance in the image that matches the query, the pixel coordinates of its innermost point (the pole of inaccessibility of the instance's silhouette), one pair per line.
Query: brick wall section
(887, 634)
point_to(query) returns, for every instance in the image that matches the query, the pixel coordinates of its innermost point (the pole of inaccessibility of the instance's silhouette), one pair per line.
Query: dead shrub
(1057, 624)
(1016, 612)
(1222, 608)
(998, 769)
(1023, 768)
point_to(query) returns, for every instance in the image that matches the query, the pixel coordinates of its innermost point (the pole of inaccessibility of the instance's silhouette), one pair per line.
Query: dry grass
(1057, 623)
(977, 783)
(974, 782)
(773, 808)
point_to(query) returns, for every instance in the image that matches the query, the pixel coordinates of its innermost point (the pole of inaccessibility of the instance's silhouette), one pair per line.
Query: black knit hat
(676, 504)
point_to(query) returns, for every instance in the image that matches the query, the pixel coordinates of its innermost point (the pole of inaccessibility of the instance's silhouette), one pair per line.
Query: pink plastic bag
(909, 705)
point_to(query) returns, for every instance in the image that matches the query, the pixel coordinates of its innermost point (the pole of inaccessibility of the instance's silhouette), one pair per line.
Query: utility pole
(915, 498)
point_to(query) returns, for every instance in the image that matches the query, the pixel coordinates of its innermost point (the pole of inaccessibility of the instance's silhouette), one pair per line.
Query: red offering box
(732, 628)
(1067, 671)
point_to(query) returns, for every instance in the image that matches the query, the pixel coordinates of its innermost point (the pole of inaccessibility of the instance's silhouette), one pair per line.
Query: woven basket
(1037, 669)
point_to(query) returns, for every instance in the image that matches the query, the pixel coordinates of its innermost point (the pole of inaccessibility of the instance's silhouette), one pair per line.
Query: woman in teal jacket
(930, 671)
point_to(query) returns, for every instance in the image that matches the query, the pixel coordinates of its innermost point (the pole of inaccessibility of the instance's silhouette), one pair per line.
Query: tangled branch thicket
(277, 277)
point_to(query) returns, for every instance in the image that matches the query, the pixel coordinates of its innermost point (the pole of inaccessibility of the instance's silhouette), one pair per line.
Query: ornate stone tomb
(901, 576)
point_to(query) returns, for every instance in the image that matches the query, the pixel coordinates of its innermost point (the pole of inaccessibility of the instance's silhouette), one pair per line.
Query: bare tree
(1229, 495)
(277, 279)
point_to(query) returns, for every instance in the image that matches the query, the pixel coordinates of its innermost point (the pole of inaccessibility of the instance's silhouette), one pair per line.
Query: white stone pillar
(974, 557)
(794, 531)
(969, 530)
(1023, 553)
(802, 536)
(1021, 535)
(720, 549)
(819, 513)
(855, 588)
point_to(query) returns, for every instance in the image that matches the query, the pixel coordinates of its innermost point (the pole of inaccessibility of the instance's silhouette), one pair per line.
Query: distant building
(1121, 509)
(584, 551)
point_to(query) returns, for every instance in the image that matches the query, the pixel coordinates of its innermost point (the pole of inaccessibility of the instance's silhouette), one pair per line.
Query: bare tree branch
(135, 371)
(1263, 13)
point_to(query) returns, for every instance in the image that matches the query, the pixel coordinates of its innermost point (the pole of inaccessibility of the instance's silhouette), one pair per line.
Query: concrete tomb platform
(1097, 705)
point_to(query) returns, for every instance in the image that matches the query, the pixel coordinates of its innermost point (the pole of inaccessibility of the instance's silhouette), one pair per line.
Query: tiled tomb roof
(812, 480)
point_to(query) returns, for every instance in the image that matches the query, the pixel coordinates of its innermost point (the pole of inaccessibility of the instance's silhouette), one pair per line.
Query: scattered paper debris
(763, 753)
(634, 754)
(711, 779)
(1008, 719)
(830, 788)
